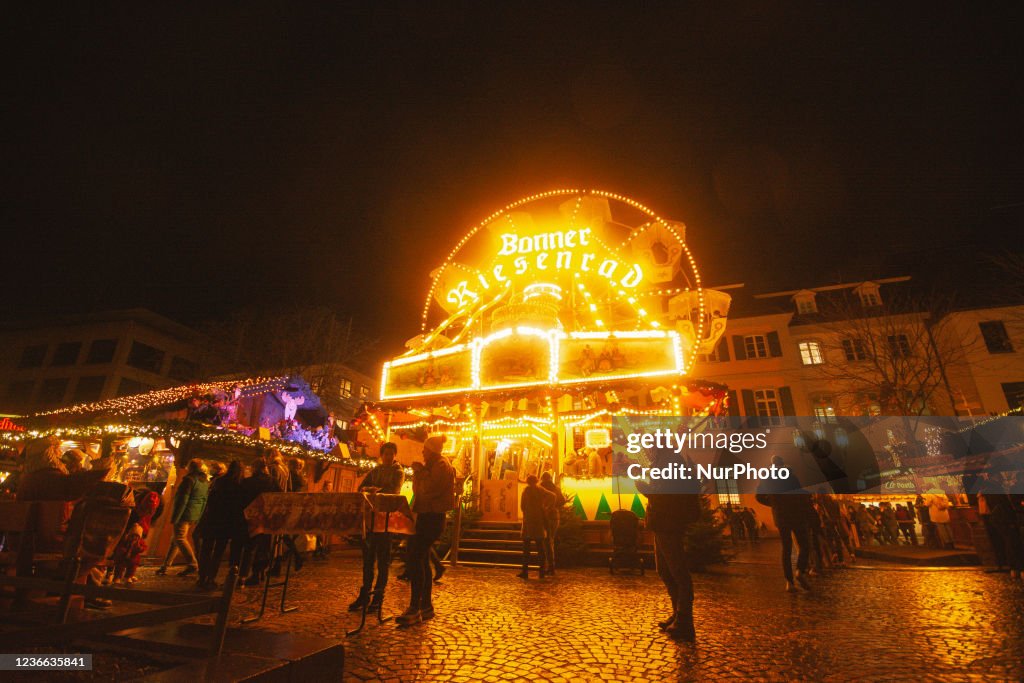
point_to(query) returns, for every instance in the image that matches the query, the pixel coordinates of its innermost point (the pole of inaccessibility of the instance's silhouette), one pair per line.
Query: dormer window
(869, 296)
(805, 303)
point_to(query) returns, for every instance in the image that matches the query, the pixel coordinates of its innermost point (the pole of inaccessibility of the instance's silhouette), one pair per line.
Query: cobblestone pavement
(584, 625)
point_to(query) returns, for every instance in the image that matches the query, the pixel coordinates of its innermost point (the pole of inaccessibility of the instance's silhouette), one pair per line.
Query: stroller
(625, 527)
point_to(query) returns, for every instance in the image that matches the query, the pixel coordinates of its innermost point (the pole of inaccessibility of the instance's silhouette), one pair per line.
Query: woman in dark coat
(223, 522)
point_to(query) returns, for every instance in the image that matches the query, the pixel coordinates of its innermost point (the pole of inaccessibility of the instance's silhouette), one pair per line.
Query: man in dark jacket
(433, 487)
(536, 503)
(791, 510)
(672, 506)
(552, 518)
(222, 523)
(189, 503)
(257, 551)
(387, 477)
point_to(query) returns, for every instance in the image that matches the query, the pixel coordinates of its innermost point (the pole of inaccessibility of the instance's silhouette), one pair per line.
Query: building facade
(850, 349)
(342, 388)
(92, 357)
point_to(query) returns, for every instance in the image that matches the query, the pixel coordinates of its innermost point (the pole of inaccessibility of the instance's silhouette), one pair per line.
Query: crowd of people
(208, 518)
(206, 514)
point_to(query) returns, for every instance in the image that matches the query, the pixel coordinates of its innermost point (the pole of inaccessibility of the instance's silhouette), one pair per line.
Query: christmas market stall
(546, 320)
(146, 439)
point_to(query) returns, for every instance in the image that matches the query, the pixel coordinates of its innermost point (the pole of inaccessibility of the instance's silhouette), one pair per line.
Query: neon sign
(562, 250)
(6, 425)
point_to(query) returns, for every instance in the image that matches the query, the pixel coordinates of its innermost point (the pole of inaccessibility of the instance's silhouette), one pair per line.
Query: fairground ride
(548, 318)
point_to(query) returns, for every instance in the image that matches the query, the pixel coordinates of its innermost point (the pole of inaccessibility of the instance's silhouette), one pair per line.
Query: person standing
(889, 525)
(222, 523)
(672, 506)
(296, 484)
(790, 506)
(905, 521)
(865, 525)
(750, 524)
(279, 471)
(433, 487)
(535, 504)
(1000, 507)
(256, 555)
(938, 513)
(189, 504)
(552, 520)
(387, 477)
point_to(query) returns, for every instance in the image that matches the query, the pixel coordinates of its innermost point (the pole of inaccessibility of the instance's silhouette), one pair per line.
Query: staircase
(493, 544)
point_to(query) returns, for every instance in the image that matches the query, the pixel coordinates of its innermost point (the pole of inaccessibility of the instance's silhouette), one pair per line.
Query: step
(490, 551)
(473, 563)
(496, 525)
(485, 544)
(492, 536)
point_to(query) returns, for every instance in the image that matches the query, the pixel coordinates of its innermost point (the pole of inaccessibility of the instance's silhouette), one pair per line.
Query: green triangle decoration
(577, 508)
(604, 510)
(638, 507)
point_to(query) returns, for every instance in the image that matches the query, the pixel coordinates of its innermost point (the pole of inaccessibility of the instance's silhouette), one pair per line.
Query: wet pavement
(870, 623)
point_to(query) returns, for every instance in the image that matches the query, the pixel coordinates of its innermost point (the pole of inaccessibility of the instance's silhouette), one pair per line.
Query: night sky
(191, 160)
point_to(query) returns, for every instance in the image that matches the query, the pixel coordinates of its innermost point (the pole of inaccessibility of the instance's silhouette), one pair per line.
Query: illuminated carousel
(545, 320)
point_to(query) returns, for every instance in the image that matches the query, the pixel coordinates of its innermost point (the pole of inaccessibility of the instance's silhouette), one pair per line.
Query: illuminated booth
(146, 439)
(546, 319)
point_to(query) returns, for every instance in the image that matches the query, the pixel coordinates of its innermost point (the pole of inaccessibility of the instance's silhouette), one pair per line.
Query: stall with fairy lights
(146, 439)
(548, 318)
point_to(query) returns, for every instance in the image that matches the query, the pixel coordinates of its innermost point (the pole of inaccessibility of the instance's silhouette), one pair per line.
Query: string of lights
(129, 405)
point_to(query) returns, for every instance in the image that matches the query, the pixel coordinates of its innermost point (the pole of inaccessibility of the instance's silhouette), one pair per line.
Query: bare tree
(892, 356)
(300, 341)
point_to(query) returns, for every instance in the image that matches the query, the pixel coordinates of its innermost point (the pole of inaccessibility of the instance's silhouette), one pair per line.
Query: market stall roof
(164, 413)
(136, 404)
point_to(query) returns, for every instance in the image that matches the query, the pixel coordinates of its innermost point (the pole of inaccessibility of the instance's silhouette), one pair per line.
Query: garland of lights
(129, 405)
(181, 431)
(642, 314)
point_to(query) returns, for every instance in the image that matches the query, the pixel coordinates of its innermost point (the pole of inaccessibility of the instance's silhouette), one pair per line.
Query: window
(871, 404)
(127, 387)
(182, 369)
(996, 338)
(20, 391)
(869, 299)
(806, 307)
(345, 388)
(66, 353)
(341, 424)
(145, 357)
(810, 353)
(899, 346)
(854, 349)
(88, 388)
(52, 391)
(755, 346)
(1014, 392)
(728, 492)
(767, 403)
(101, 351)
(824, 409)
(805, 303)
(364, 393)
(33, 356)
